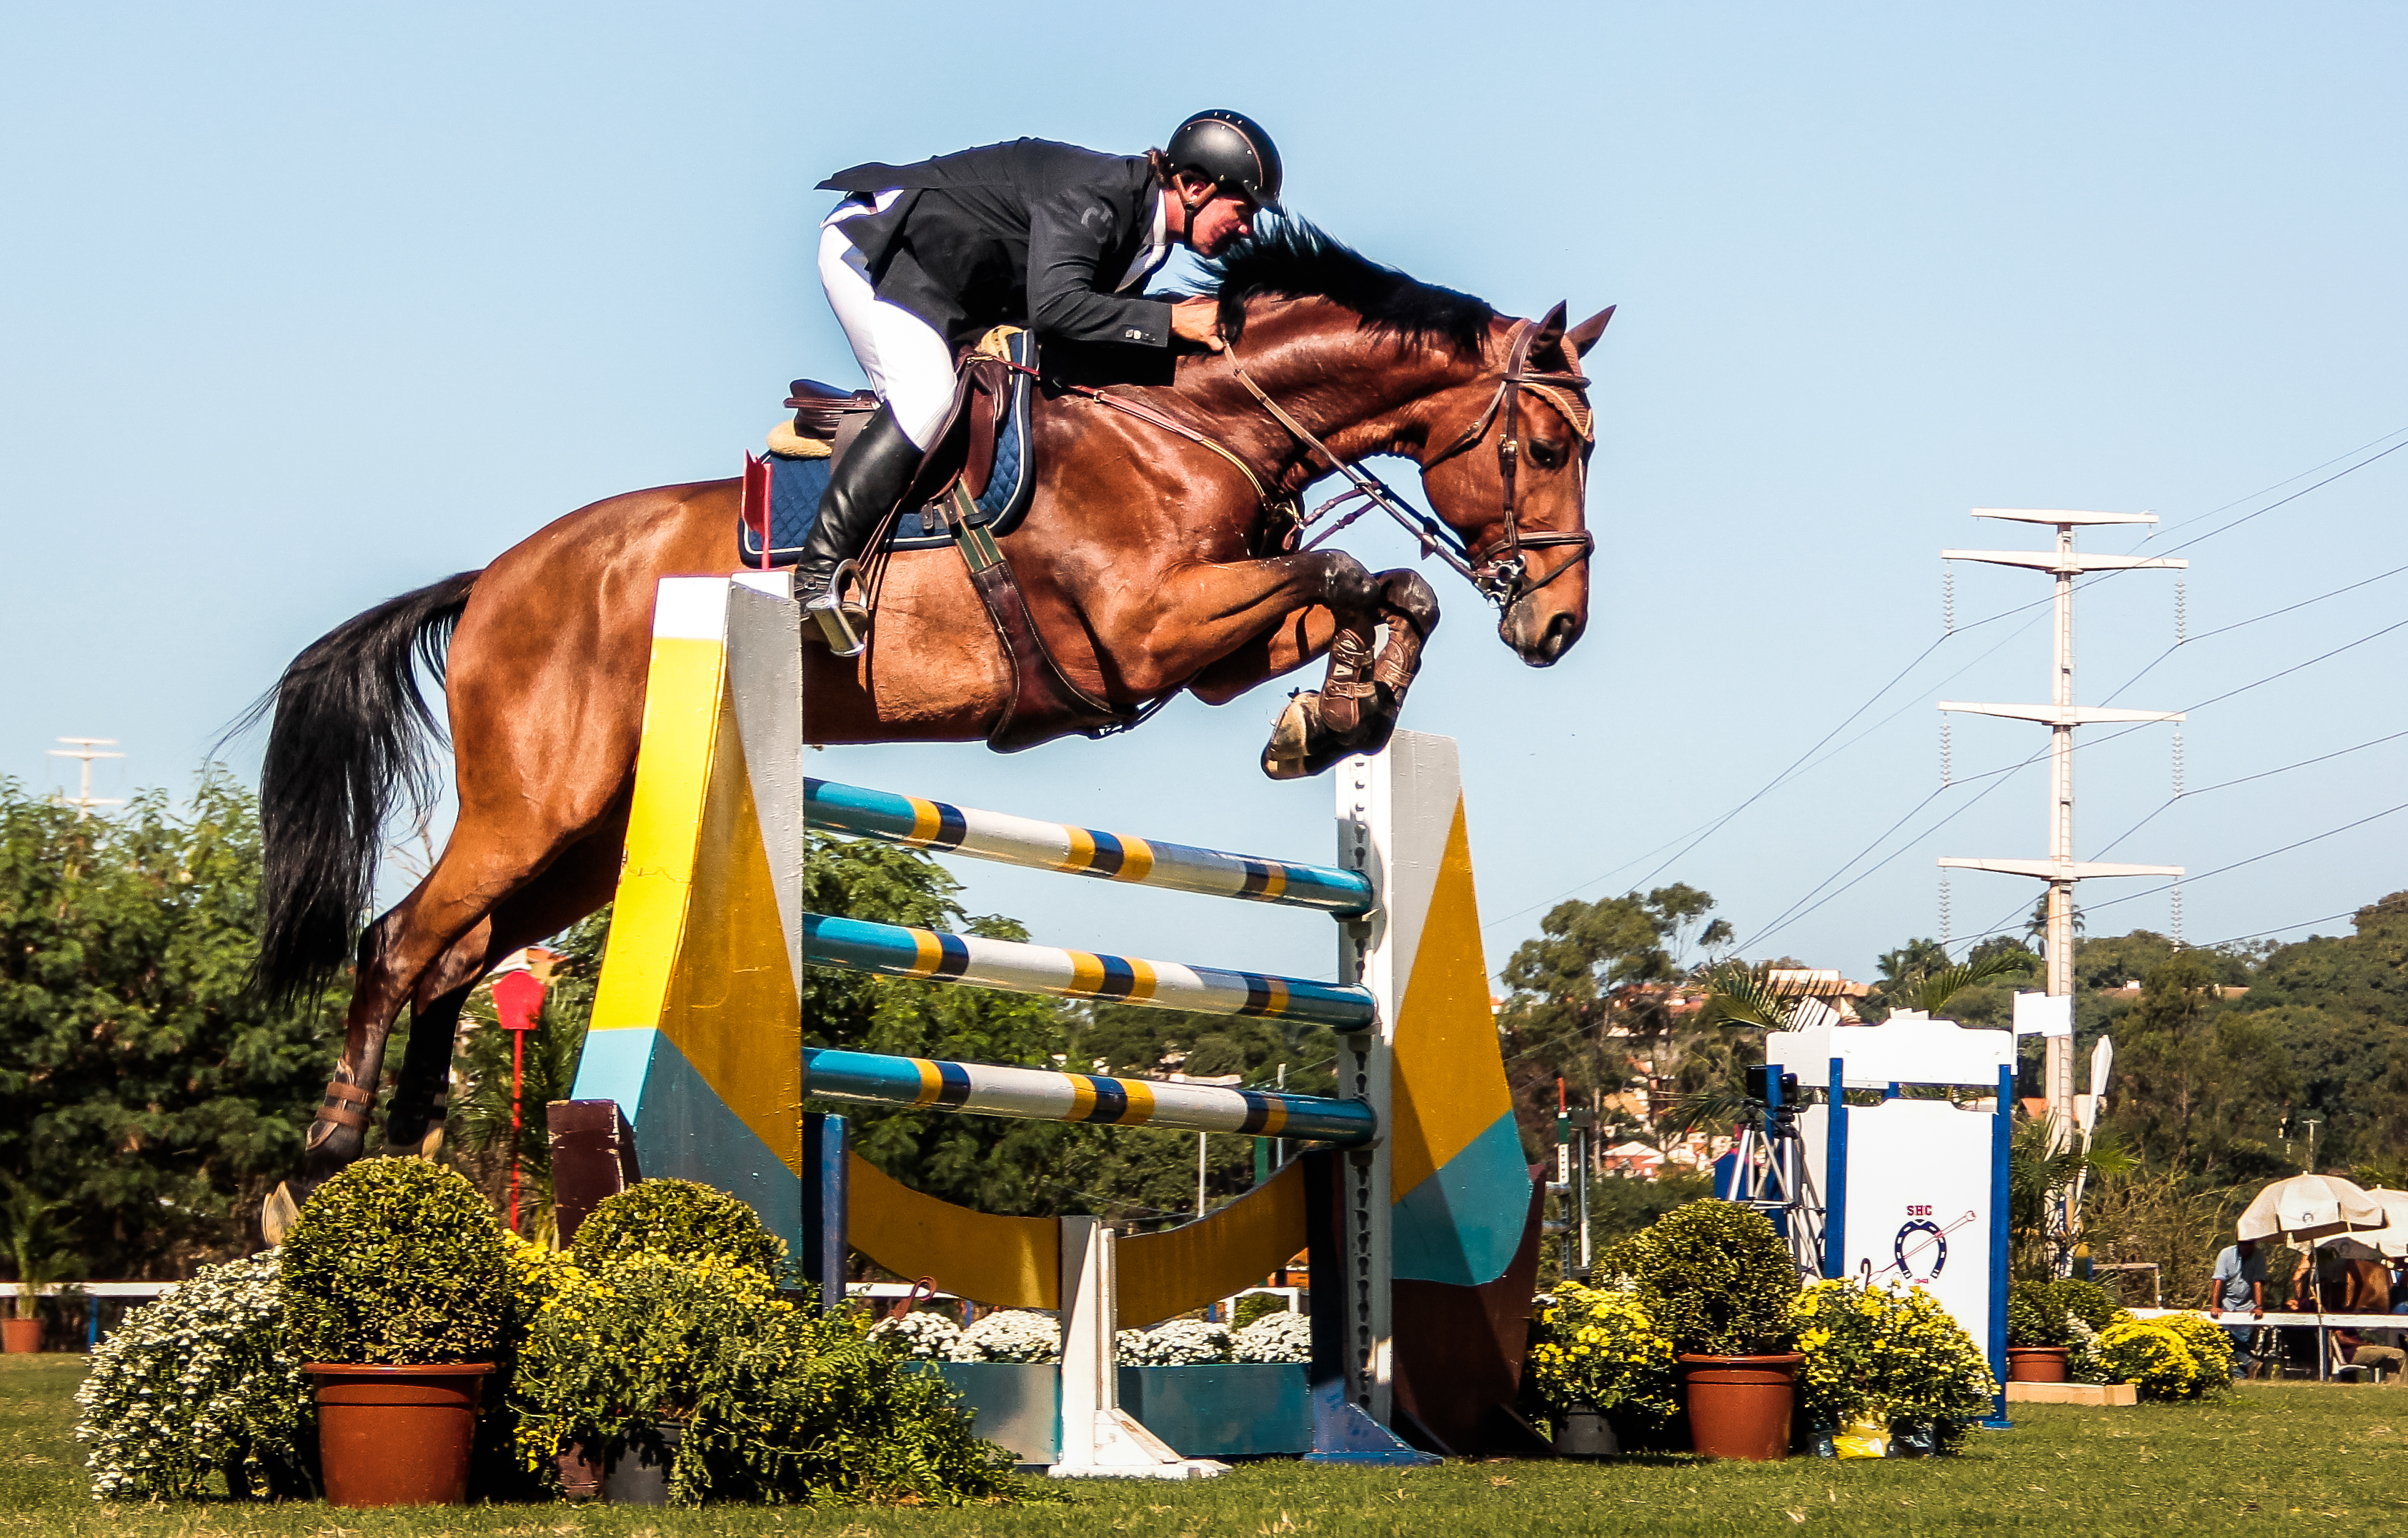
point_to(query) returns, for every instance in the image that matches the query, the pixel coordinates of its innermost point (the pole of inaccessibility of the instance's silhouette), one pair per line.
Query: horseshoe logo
(1922, 1250)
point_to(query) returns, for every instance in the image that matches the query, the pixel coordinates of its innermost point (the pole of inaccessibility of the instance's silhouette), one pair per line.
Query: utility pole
(2061, 716)
(87, 749)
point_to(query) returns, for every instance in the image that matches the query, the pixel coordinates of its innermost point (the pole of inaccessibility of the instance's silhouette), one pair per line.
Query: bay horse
(1153, 560)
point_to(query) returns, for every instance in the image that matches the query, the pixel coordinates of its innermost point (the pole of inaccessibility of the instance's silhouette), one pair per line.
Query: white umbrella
(2311, 1207)
(2389, 1241)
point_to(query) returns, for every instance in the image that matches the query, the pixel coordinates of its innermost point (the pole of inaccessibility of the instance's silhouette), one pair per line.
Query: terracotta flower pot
(1740, 1406)
(21, 1334)
(2037, 1364)
(397, 1436)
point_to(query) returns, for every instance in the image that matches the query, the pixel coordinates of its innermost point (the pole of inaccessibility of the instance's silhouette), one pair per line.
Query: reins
(1496, 570)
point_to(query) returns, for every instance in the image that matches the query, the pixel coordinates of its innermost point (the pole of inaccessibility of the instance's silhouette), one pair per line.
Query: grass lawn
(2298, 1455)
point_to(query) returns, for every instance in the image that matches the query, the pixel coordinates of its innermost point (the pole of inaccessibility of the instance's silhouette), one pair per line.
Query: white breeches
(909, 364)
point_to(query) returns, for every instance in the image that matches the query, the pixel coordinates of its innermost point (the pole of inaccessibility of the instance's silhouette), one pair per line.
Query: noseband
(1497, 568)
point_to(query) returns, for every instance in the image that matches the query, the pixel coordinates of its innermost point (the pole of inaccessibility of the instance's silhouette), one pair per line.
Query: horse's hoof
(1285, 756)
(429, 1145)
(277, 1215)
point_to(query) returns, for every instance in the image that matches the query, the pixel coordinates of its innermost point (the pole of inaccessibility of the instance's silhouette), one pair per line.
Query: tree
(1594, 997)
(139, 1085)
(2194, 1082)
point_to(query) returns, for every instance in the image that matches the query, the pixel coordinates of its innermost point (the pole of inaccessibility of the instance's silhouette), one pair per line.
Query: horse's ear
(1584, 336)
(1549, 334)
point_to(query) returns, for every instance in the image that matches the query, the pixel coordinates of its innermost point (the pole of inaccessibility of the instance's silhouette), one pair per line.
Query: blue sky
(303, 306)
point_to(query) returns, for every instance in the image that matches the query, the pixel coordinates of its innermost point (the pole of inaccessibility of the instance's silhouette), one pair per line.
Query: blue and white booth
(1911, 1191)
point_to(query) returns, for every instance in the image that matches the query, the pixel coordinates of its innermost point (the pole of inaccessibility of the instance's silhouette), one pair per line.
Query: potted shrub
(38, 1245)
(680, 1223)
(394, 1290)
(1888, 1366)
(2039, 1336)
(1598, 1355)
(1716, 1279)
(731, 1392)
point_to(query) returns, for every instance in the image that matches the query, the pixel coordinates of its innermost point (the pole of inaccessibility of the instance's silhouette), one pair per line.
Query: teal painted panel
(683, 1130)
(1019, 1404)
(1224, 1410)
(1463, 1224)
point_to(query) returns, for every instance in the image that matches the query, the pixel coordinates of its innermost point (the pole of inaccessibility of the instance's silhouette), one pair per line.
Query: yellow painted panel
(1011, 1262)
(1449, 1078)
(1164, 1274)
(682, 692)
(732, 1008)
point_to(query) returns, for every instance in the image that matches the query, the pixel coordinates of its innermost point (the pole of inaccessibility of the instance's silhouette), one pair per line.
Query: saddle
(973, 488)
(988, 436)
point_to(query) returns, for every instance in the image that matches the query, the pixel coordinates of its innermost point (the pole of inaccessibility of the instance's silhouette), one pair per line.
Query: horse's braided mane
(1289, 258)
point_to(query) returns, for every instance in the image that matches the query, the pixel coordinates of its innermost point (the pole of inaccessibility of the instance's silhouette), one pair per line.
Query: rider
(918, 261)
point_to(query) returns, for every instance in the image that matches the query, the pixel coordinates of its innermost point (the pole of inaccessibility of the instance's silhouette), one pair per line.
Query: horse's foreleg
(1355, 708)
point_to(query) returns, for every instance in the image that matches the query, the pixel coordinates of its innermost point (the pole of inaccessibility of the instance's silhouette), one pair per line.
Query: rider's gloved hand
(1198, 321)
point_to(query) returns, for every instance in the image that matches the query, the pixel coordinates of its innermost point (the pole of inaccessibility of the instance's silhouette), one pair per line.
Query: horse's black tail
(348, 743)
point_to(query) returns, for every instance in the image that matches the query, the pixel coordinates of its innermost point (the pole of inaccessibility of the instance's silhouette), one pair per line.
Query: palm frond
(1931, 995)
(1745, 995)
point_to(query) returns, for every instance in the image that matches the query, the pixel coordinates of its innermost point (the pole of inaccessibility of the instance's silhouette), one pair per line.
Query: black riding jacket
(1029, 233)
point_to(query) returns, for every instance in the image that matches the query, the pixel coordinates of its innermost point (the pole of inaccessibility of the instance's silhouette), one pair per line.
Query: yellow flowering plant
(1890, 1352)
(2208, 1344)
(1602, 1348)
(2183, 1356)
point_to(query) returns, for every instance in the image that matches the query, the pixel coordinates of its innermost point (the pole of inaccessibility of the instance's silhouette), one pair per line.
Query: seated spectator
(2364, 1353)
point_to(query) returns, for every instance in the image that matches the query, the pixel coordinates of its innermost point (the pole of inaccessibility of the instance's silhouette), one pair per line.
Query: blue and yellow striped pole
(920, 824)
(865, 1078)
(891, 950)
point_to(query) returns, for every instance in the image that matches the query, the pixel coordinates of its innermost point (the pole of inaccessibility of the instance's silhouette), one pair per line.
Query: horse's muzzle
(1539, 633)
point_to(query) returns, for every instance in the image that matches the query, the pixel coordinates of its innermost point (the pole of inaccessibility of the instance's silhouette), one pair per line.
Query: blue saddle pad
(795, 485)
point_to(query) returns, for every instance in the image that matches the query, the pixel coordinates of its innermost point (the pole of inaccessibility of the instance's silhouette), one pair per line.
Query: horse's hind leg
(572, 886)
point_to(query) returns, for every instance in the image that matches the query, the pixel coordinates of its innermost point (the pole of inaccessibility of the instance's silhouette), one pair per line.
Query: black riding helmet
(1232, 150)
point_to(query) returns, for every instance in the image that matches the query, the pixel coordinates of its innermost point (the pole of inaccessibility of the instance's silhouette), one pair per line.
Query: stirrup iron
(843, 625)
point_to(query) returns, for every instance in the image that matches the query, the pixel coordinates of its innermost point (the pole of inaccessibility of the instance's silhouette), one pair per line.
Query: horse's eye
(1546, 456)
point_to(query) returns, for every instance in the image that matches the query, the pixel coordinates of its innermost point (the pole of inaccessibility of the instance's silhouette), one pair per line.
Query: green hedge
(394, 1262)
(1714, 1276)
(678, 1218)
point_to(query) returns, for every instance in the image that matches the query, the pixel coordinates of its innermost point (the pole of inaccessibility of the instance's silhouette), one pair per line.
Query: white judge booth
(1913, 1191)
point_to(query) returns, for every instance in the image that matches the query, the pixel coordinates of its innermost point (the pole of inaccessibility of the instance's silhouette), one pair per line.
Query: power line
(1790, 917)
(1699, 835)
(2185, 522)
(2240, 624)
(2269, 855)
(2280, 928)
(2261, 774)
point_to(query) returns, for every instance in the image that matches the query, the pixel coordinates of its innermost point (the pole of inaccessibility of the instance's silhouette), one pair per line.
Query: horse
(1158, 556)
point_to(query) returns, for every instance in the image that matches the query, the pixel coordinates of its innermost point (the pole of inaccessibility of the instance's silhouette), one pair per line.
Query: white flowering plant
(202, 1382)
(921, 1335)
(1275, 1338)
(1010, 1335)
(1181, 1343)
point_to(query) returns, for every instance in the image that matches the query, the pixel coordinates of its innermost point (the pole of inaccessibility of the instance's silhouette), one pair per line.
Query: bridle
(1496, 570)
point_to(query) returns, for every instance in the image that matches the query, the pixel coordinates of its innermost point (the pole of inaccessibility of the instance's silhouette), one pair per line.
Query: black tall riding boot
(873, 475)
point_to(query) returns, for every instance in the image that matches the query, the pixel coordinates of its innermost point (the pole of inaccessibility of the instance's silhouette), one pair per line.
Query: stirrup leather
(844, 624)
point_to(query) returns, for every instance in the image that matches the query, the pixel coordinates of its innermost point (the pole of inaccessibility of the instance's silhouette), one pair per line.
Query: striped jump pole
(920, 824)
(869, 1078)
(892, 950)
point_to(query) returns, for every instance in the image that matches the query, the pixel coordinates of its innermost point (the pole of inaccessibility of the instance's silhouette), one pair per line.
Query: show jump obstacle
(1415, 1203)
